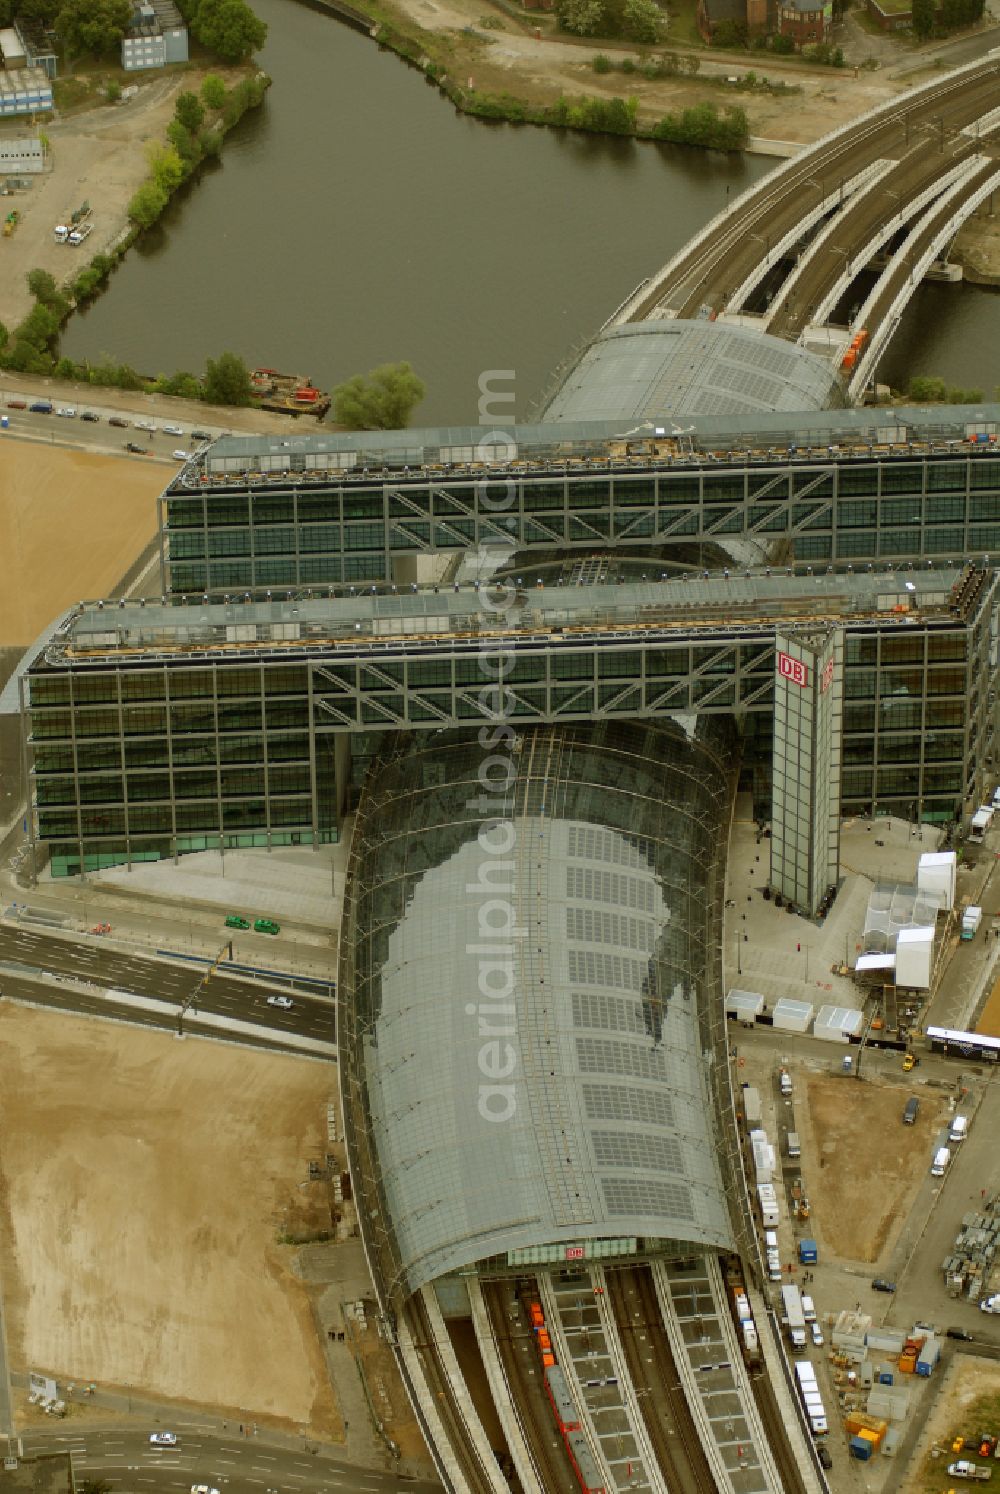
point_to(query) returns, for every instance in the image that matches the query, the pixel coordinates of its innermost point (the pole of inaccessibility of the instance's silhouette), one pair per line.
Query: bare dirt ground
(536, 68)
(864, 1137)
(70, 524)
(99, 156)
(142, 1214)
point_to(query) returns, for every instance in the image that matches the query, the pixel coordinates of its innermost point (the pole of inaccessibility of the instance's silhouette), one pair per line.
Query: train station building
(824, 579)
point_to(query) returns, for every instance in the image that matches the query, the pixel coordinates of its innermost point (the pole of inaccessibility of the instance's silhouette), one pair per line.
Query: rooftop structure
(702, 367)
(581, 1098)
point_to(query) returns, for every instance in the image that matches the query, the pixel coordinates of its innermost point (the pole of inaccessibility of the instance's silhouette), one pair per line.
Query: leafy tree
(184, 143)
(730, 33)
(383, 401)
(782, 45)
(227, 381)
(40, 327)
(42, 285)
(923, 16)
(642, 20)
(583, 17)
(167, 168)
(189, 112)
(147, 204)
(4, 335)
(229, 28)
(112, 90)
(94, 26)
(213, 91)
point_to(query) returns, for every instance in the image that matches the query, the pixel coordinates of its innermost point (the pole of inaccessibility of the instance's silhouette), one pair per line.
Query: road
(27, 956)
(97, 436)
(123, 1457)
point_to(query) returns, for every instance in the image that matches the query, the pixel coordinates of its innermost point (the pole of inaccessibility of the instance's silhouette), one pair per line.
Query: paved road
(123, 1456)
(98, 435)
(26, 955)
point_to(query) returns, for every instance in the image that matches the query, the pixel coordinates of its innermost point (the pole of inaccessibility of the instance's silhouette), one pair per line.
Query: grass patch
(981, 1415)
(682, 26)
(73, 94)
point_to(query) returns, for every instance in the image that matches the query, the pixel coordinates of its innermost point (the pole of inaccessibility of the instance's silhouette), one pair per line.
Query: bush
(704, 125)
(601, 64)
(213, 91)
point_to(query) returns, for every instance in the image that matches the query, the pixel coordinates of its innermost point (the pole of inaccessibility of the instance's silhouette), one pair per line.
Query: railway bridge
(826, 252)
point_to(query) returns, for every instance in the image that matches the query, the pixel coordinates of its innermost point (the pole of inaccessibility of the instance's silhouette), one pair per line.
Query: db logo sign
(792, 669)
(574, 1252)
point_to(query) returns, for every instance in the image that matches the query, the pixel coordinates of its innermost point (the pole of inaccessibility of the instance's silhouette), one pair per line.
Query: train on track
(564, 1409)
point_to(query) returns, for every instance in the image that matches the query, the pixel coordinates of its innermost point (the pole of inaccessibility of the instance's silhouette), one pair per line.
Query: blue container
(808, 1252)
(861, 1449)
(885, 1378)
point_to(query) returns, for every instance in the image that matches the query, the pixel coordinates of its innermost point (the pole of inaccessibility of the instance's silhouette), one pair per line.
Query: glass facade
(138, 764)
(531, 1030)
(229, 535)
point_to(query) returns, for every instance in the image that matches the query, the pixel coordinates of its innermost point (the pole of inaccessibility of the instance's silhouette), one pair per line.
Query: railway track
(450, 1416)
(774, 1428)
(537, 1422)
(675, 1438)
(774, 209)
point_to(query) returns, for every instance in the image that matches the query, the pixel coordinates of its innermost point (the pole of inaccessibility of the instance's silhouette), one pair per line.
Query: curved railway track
(675, 1438)
(440, 1387)
(537, 1420)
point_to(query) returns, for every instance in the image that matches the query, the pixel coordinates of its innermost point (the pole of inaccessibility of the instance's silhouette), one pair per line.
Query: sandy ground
(141, 1214)
(98, 156)
(71, 523)
(841, 1141)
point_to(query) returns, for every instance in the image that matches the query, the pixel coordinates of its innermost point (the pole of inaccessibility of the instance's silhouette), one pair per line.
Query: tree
(147, 204)
(213, 91)
(923, 16)
(642, 20)
(94, 26)
(730, 33)
(229, 28)
(4, 335)
(189, 112)
(184, 143)
(112, 90)
(42, 285)
(227, 380)
(382, 401)
(167, 168)
(583, 17)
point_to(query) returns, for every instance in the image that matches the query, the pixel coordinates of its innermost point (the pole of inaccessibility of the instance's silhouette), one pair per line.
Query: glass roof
(527, 1001)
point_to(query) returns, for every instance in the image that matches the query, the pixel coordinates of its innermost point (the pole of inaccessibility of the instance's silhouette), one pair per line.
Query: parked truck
(965, 1468)
(77, 235)
(63, 232)
(793, 1316)
(971, 919)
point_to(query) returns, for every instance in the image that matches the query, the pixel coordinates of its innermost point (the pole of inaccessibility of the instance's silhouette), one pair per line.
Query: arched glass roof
(529, 994)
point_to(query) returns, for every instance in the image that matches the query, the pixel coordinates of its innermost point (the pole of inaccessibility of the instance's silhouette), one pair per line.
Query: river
(358, 219)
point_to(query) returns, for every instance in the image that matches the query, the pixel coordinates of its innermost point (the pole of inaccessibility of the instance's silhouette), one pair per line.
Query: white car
(817, 1334)
(145, 425)
(67, 410)
(284, 1002)
(173, 430)
(181, 456)
(203, 1489)
(163, 1439)
(990, 1304)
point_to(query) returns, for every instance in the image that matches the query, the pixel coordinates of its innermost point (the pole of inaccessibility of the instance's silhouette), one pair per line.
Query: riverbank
(98, 154)
(977, 250)
(476, 50)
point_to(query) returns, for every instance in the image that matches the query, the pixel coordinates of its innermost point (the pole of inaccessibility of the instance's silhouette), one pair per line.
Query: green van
(266, 926)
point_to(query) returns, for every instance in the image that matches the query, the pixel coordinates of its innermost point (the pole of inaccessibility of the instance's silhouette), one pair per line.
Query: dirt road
(146, 1183)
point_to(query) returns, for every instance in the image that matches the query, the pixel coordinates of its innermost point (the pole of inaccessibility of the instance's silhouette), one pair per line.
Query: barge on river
(289, 394)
